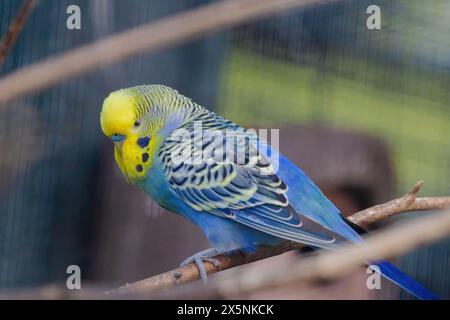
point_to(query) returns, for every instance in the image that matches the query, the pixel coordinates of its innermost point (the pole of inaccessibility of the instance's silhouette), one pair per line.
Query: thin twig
(190, 272)
(181, 27)
(15, 28)
(409, 202)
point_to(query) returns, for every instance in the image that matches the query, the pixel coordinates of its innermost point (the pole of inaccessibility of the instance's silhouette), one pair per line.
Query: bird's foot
(199, 258)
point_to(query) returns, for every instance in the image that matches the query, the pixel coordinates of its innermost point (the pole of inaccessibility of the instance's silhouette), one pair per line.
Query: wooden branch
(187, 25)
(190, 272)
(15, 28)
(325, 266)
(289, 269)
(409, 202)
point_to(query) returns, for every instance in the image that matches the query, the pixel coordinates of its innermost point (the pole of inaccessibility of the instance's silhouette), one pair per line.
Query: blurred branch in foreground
(288, 270)
(408, 202)
(15, 28)
(188, 25)
(318, 269)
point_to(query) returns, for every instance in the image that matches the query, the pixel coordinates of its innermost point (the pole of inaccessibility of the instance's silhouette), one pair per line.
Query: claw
(199, 259)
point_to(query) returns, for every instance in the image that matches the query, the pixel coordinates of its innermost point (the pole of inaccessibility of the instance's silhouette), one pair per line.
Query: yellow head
(137, 120)
(124, 121)
(118, 114)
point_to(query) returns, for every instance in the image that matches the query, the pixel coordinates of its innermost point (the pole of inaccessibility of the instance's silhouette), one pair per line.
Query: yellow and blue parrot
(186, 158)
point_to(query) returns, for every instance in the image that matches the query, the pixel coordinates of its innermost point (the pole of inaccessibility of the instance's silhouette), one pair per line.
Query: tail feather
(392, 273)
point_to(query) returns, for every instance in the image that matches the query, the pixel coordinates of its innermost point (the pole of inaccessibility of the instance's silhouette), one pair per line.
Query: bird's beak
(118, 140)
(118, 146)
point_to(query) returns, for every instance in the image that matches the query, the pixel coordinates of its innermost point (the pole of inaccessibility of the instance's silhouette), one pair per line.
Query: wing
(224, 174)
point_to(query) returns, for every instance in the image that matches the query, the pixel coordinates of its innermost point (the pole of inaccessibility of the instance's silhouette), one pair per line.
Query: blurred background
(364, 112)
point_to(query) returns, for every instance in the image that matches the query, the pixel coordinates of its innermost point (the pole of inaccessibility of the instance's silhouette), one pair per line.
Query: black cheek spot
(143, 142)
(139, 168)
(145, 157)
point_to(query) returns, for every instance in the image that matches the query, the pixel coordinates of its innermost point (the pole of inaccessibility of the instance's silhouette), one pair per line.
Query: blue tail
(306, 198)
(393, 274)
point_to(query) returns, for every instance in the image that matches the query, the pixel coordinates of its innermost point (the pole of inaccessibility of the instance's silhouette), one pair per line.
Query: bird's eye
(137, 123)
(117, 137)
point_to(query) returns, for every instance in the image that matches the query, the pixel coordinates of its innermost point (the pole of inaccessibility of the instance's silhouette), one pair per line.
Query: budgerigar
(185, 158)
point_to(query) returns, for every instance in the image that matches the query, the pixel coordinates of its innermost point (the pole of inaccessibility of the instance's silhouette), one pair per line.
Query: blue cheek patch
(143, 142)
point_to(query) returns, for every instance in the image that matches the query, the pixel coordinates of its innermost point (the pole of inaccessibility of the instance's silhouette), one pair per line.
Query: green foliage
(404, 105)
